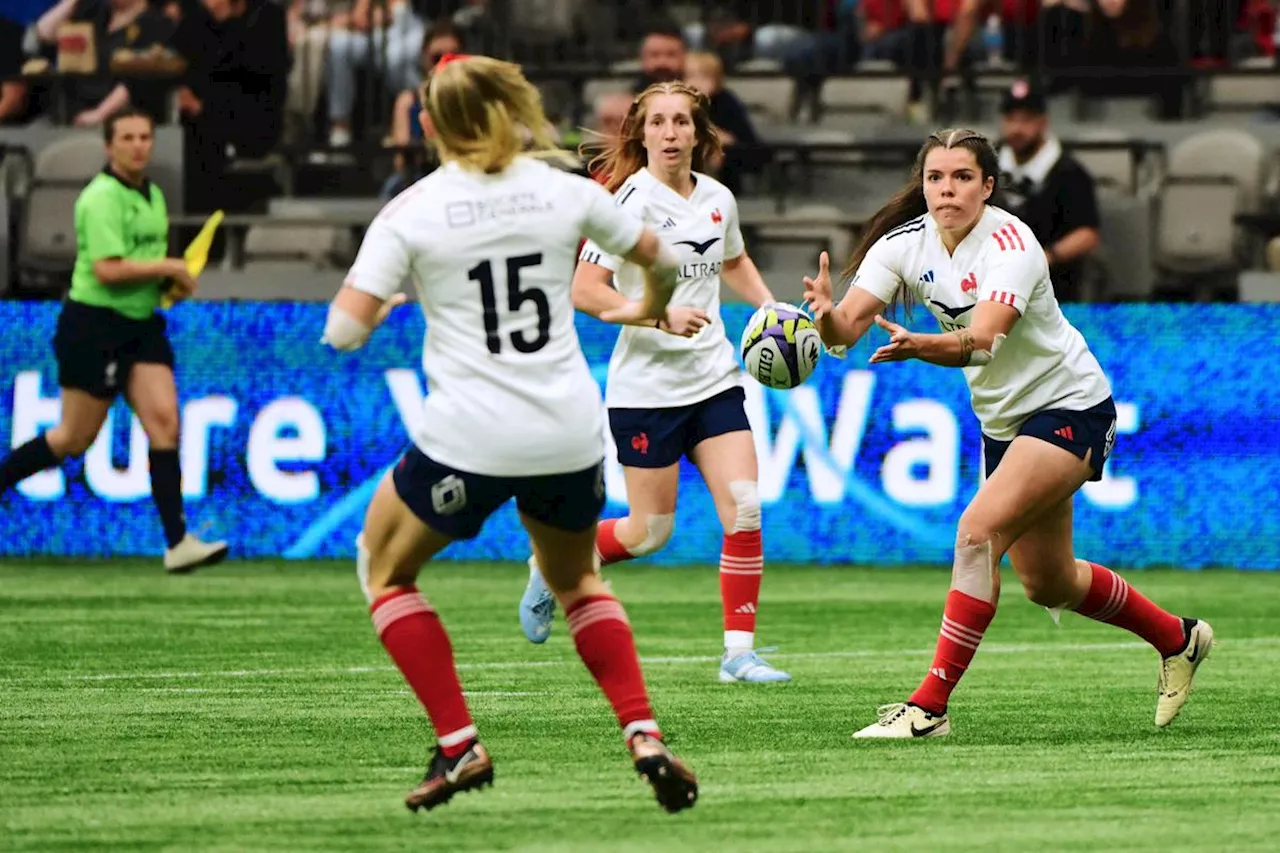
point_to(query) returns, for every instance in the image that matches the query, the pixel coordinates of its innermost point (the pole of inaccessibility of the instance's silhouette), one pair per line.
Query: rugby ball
(780, 346)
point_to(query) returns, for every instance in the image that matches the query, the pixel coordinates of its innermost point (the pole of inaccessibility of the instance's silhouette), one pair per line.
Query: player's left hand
(902, 344)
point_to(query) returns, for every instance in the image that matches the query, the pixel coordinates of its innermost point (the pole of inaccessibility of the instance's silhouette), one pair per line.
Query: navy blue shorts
(656, 438)
(1093, 429)
(457, 503)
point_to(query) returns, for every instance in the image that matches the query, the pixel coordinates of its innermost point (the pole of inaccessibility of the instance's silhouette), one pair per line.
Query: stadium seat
(321, 245)
(863, 100)
(73, 158)
(1110, 167)
(47, 239)
(1227, 153)
(768, 99)
(1231, 95)
(1125, 254)
(1195, 234)
(46, 250)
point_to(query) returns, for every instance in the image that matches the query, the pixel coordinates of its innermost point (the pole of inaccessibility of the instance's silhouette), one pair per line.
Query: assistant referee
(111, 338)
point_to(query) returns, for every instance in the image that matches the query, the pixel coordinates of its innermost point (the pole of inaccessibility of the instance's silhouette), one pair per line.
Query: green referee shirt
(116, 220)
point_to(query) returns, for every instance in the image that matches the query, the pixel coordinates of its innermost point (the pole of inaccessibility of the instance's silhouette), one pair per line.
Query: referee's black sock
(31, 458)
(166, 491)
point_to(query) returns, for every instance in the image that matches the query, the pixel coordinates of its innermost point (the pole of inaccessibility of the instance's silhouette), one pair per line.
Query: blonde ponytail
(485, 113)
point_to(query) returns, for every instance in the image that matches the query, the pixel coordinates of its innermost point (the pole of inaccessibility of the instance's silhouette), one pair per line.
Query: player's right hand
(817, 291)
(685, 322)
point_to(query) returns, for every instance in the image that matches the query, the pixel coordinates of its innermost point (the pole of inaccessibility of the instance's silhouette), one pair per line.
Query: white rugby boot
(191, 553)
(904, 720)
(1178, 670)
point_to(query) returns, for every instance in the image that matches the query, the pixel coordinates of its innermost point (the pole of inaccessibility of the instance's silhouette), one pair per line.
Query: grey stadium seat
(46, 234)
(768, 99)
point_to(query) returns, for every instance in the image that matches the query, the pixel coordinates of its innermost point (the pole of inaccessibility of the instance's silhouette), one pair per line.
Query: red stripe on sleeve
(1014, 235)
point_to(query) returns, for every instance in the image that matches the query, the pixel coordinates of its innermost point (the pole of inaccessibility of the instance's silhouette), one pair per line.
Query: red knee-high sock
(964, 621)
(741, 569)
(603, 638)
(608, 547)
(418, 643)
(1110, 599)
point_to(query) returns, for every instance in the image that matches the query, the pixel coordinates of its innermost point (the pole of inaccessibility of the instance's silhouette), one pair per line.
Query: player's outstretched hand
(387, 307)
(902, 344)
(685, 322)
(817, 290)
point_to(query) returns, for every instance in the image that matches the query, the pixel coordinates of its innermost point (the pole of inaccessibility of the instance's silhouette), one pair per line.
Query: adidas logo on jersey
(927, 278)
(670, 223)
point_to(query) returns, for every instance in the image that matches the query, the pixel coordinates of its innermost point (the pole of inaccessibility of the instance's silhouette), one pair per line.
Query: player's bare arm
(844, 324)
(354, 314)
(975, 345)
(594, 294)
(744, 279)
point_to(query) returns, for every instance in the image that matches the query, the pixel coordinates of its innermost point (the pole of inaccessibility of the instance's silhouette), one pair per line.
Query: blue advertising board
(283, 441)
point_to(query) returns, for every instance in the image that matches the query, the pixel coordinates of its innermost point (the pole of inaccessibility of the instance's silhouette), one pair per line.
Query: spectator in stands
(310, 23)
(1047, 188)
(705, 72)
(117, 25)
(607, 115)
(609, 112)
(1211, 25)
(387, 37)
(232, 100)
(13, 93)
(928, 22)
(1127, 35)
(760, 29)
(883, 30)
(1019, 37)
(406, 130)
(662, 56)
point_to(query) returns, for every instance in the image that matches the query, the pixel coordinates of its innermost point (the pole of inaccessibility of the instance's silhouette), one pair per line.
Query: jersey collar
(652, 183)
(144, 190)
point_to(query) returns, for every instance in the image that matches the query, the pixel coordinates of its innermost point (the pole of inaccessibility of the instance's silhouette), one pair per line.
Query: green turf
(250, 707)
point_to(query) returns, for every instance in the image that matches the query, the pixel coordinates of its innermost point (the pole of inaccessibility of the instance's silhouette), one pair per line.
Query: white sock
(738, 642)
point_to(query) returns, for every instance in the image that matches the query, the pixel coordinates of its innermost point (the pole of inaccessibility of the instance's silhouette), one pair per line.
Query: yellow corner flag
(197, 254)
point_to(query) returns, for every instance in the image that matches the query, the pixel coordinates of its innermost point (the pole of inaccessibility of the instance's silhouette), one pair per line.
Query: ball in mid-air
(780, 346)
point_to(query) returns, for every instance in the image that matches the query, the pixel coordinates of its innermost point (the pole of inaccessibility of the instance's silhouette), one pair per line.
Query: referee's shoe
(190, 554)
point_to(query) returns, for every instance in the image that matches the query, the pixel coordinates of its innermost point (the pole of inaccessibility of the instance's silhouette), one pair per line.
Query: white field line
(987, 649)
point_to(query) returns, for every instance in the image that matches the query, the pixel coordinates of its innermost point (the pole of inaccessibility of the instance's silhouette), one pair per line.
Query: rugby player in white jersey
(669, 395)
(490, 240)
(1044, 405)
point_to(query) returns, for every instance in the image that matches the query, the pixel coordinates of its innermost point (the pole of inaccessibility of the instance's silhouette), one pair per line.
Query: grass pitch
(250, 707)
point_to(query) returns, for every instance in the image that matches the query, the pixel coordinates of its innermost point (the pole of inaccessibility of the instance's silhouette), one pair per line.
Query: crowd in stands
(244, 78)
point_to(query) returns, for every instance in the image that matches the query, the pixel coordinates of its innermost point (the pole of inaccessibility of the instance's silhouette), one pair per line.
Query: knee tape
(972, 572)
(362, 567)
(658, 530)
(746, 495)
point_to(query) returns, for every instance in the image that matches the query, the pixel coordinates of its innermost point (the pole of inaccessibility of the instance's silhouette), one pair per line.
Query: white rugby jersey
(651, 369)
(492, 257)
(1044, 363)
